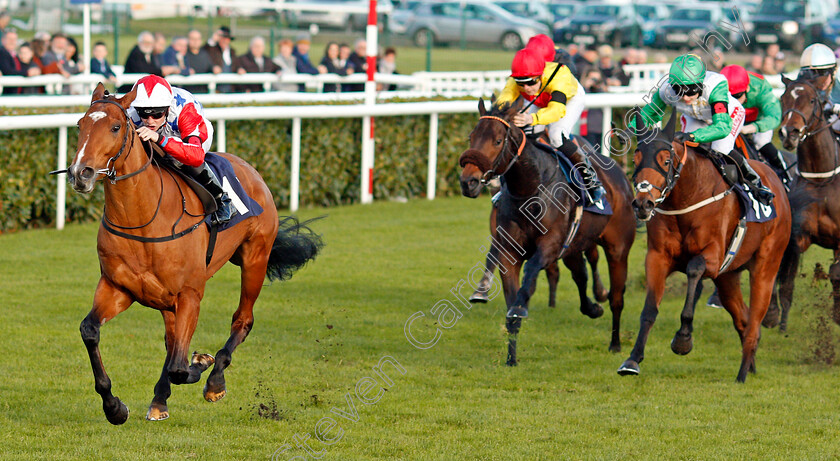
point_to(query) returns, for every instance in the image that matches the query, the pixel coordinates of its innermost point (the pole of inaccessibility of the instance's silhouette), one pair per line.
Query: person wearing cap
(173, 119)
(763, 113)
(555, 102)
(709, 114)
(221, 54)
(142, 59)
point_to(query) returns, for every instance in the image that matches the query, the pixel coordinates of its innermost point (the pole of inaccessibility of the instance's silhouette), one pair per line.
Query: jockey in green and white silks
(708, 113)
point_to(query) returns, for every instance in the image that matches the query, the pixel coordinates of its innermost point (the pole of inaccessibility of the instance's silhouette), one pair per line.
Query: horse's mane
(500, 110)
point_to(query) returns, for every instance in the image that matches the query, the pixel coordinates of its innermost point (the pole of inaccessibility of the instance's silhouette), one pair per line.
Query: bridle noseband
(110, 170)
(491, 173)
(815, 113)
(671, 176)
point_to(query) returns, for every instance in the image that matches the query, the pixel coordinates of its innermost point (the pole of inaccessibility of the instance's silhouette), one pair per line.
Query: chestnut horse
(690, 233)
(535, 185)
(170, 274)
(816, 217)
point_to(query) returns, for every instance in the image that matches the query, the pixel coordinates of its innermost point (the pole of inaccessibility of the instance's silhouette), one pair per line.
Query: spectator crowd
(184, 55)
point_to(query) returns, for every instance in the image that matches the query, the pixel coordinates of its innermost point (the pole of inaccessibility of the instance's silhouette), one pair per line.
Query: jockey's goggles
(153, 112)
(687, 90)
(526, 81)
(738, 95)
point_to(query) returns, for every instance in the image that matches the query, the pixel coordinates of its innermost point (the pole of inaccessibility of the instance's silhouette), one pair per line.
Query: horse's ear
(481, 109)
(98, 93)
(786, 81)
(128, 98)
(516, 106)
(670, 127)
(492, 98)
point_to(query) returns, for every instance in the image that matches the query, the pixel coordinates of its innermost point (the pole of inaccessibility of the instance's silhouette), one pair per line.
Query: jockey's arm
(509, 93)
(721, 121)
(769, 108)
(188, 150)
(562, 87)
(653, 111)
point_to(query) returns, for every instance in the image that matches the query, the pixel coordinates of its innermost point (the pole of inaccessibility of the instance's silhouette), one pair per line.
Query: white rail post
(61, 186)
(431, 176)
(605, 129)
(221, 136)
(368, 144)
(294, 189)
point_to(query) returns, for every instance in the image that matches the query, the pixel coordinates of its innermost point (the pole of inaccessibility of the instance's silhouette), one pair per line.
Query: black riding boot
(205, 176)
(592, 187)
(761, 193)
(775, 159)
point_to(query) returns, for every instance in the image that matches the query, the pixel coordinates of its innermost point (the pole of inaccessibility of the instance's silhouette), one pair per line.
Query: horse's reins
(808, 121)
(491, 173)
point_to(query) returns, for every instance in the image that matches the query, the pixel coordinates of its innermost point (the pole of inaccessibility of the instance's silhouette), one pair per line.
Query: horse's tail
(295, 245)
(799, 197)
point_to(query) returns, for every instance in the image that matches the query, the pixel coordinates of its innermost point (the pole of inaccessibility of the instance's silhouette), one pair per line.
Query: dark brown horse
(816, 216)
(690, 233)
(146, 201)
(535, 215)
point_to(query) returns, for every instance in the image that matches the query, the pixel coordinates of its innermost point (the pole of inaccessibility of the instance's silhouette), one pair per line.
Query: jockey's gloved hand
(835, 109)
(682, 137)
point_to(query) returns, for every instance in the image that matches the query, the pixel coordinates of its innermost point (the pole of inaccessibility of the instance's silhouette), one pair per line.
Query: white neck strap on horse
(696, 206)
(827, 174)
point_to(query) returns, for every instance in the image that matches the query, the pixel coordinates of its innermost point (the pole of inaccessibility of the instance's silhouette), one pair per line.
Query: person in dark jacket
(99, 62)
(254, 61)
(142, 59)
(221, 54)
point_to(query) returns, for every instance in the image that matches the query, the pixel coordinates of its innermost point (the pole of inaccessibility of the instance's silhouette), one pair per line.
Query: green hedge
(330, 168)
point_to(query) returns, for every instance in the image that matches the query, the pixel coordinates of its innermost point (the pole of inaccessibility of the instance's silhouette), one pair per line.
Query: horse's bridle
(815, 114)
(491, 173)
(671, 176)
(110, 170)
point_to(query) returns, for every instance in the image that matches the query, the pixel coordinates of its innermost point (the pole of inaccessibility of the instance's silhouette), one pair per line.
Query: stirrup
(764, 195)
(224, 212)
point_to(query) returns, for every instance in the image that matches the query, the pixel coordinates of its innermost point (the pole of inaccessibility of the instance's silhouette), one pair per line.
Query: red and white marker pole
(370, 99)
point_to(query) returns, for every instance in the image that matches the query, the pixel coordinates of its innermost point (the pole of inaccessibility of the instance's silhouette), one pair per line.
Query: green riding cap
(687, 69)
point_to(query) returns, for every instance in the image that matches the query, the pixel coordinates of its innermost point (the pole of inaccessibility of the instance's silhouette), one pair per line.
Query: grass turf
(318, 335)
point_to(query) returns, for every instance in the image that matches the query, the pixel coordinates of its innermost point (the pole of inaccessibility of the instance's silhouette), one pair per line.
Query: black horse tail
(295, 245)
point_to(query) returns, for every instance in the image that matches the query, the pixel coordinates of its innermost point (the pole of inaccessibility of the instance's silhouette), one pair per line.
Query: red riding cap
(544, 45)
(528, 62)
(738, 78)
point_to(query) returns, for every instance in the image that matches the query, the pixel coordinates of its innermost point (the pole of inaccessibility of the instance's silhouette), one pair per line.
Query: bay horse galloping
(168, 271)
(816, 210)
(691, 231)
(536, 185)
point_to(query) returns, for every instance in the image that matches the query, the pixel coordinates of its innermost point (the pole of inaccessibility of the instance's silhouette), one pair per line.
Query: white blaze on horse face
(795, 92)
(96, 116)
(81, 153)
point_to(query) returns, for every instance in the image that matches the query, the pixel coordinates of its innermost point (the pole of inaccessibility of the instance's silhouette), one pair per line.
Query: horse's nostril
(635, 204)
(87, 173)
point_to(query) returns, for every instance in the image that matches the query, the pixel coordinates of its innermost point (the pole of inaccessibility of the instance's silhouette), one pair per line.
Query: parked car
(337, 19)
(563, 9)
(537, 11)
(651, 13)
(793, 24)
(481, 22)
(403, 12)
(689, 25)
(601, 22)
(831, 32)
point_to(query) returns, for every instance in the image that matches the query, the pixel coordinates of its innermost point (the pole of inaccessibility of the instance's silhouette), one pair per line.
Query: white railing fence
(296, 113)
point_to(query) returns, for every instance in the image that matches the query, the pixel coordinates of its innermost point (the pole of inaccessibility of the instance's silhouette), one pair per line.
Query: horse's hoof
(601, 295)
(682, 344)
(118, 415)
(517, 312)
(615, 348)
(511, 363)
(212, 396)
(593, 310)
(479, 297)
(714, 301)
(202, 361)
(629, 368)
(157, 413)
(771, 319)
(178, 376)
